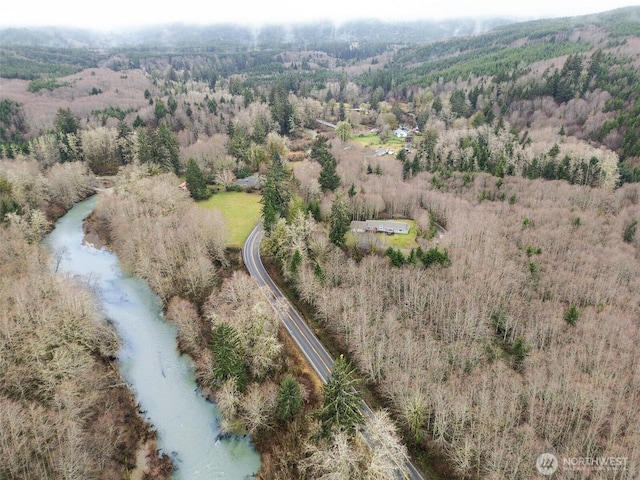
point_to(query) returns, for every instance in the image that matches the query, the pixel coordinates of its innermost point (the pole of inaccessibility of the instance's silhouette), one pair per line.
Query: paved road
(327, 124)
(304, 337)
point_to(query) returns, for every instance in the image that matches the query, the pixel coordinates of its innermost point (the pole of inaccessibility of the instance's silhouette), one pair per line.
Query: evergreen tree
(212, 105)
(172, 105)
(572, 314)
(160, 110)
(226, 349)
(281, 108)
(239, 142)
(563, 171)
(341, 112)
(340, 220)
(160, 147)
(329, 178)
(289, 399)
(437, 105)
(124, 142)
(352, 190)
(320, 149)
(138, 122)
(434, 255)
(396, 256)
(66, 122)
(519, 350)
(7, 203)
(407, 171)
(168, 148)
(629, 232)
(341, 404)
(295, 262)
(458, 103)
(313, 207)
(67, 125)
(196, 182)
(275, 195)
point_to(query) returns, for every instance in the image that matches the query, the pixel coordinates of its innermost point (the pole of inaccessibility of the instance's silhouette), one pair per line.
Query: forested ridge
(503, 326)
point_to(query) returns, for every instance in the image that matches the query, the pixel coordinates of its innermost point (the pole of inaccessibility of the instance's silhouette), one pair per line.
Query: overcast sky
(125, 13)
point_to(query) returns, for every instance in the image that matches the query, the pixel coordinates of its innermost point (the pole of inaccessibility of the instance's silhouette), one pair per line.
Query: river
(162, 379)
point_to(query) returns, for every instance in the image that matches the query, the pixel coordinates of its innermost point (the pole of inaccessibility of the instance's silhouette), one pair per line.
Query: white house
(400, 133)
(382, 226)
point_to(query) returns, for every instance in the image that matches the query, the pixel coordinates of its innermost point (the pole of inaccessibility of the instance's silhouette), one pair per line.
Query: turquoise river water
(162, 379)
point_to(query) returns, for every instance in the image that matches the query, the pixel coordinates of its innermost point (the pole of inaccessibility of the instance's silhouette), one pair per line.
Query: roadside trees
(275, 196)
(340, 408)
(289, 398)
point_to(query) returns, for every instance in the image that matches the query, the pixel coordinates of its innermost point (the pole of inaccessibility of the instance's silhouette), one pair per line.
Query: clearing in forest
(241, 211)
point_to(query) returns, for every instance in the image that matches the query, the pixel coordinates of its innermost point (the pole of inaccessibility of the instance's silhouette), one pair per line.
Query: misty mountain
(183, 35)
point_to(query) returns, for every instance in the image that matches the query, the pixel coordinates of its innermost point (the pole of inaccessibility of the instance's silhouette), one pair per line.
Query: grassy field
(240, 210)
(373, 140)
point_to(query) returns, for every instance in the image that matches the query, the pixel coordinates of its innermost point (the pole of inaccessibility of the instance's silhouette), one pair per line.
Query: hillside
(577, 75)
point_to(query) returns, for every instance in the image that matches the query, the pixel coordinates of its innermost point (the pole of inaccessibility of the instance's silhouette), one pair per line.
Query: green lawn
(373, 140)
(403, 242)
(368, 139)
(241, 211)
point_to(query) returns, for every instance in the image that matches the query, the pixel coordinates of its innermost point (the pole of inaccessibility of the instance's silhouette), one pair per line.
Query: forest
(503, 326)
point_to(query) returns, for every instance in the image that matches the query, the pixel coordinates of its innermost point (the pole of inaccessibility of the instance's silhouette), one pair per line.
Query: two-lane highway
(307, 342)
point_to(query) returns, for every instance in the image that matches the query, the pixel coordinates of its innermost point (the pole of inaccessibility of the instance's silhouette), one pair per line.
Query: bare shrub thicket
(68, 183)
(342, 457)
(163, 237)
(210, 155)
(241, 305)
(52, 190)
(59, 411)
(184, 315)
(481, 359)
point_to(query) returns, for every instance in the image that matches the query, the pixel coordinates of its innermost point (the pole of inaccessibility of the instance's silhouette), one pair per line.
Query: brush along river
(162, 379)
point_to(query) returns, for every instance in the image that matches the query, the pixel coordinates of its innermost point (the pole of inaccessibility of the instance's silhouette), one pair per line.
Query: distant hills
(578, 74)
(182, 35)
